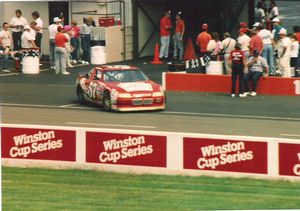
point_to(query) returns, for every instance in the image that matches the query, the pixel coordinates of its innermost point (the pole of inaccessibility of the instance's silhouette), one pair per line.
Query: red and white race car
(120, 88)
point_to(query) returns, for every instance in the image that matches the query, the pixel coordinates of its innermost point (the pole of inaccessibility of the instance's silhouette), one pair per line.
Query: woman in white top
(214, 46)
(273, 11)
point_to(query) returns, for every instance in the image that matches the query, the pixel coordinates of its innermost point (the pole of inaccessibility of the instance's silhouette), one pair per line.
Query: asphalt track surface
(49, 99)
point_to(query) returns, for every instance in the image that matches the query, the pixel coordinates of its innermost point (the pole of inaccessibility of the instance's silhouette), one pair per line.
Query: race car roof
(116, 67)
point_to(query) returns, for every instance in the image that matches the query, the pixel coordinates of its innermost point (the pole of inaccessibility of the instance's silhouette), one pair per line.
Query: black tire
(106, 101)
(80, 96)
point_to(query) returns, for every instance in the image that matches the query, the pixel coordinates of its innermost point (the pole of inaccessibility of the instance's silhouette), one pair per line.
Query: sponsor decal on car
(135, 86)
(225, 155)
(289, 159)
(49, 144)
(129, 149)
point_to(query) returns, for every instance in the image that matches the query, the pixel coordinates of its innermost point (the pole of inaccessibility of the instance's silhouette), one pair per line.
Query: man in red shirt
(256, 42)
(237, 62)
(165, 27)
(178, 36)
(203, 39)
(60, 53)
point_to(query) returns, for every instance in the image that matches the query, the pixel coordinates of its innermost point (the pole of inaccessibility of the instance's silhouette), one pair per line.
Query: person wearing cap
(165, 27)
(268, 51)
(75, 41)
(178, 36)
(244, 41)
(276, 28)
(243, 25)
(228, 45)
(237, 63)
(60, 52)
(17, 24)
(38, 28)
(257, 65)
(27, 40)
(256, 42)
(284, 53)
(52, 32)
(203, 39)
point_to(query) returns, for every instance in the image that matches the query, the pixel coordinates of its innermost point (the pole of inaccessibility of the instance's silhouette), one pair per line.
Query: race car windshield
(124, 76)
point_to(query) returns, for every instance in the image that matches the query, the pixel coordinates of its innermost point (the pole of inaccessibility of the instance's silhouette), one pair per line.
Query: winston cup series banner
(225, 155)
(126, 149)
(38, 144)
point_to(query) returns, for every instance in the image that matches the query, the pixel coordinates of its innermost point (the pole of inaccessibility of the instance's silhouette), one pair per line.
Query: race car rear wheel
(80, 96)
(106, 101)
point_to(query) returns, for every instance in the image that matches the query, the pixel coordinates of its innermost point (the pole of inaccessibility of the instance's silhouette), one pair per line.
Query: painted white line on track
(69, 105)
(9, 74)
(75, 106)
(231, 115)
(110, 125)
(290, 135)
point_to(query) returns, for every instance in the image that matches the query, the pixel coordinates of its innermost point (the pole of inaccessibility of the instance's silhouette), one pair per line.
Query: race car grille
(146, 101)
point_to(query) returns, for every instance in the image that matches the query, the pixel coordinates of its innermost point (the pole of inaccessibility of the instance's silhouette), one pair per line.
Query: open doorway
(56, 9)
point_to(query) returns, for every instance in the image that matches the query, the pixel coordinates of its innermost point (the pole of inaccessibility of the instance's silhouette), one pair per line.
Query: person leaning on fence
(257, 65)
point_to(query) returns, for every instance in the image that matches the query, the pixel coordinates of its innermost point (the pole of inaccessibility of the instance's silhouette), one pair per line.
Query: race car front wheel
(80, 96)
(106, 101)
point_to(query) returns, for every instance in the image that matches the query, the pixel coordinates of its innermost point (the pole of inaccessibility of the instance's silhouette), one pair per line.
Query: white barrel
(98, 55)
(31, 61)
(215, 68)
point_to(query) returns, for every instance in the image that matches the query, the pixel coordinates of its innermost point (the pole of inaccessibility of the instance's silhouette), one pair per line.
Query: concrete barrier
(222, 83)
(134, 151)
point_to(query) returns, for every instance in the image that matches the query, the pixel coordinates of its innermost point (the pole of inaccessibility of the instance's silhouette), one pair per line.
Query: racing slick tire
(80, 95)
(106, 101)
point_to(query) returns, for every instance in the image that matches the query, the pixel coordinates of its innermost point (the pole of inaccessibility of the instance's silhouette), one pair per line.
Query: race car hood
(130, 87)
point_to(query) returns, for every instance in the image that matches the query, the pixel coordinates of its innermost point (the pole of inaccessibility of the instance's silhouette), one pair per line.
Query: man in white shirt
(17, 24)
(268, 51)
(38, 28)
(27, 39)
(228, 45)
(5, 46)
(52, 32)
(244, 41)
(284, 52)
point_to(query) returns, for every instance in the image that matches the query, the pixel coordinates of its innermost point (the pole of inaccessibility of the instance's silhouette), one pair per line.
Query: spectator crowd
(264, 49)
(20, 35)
